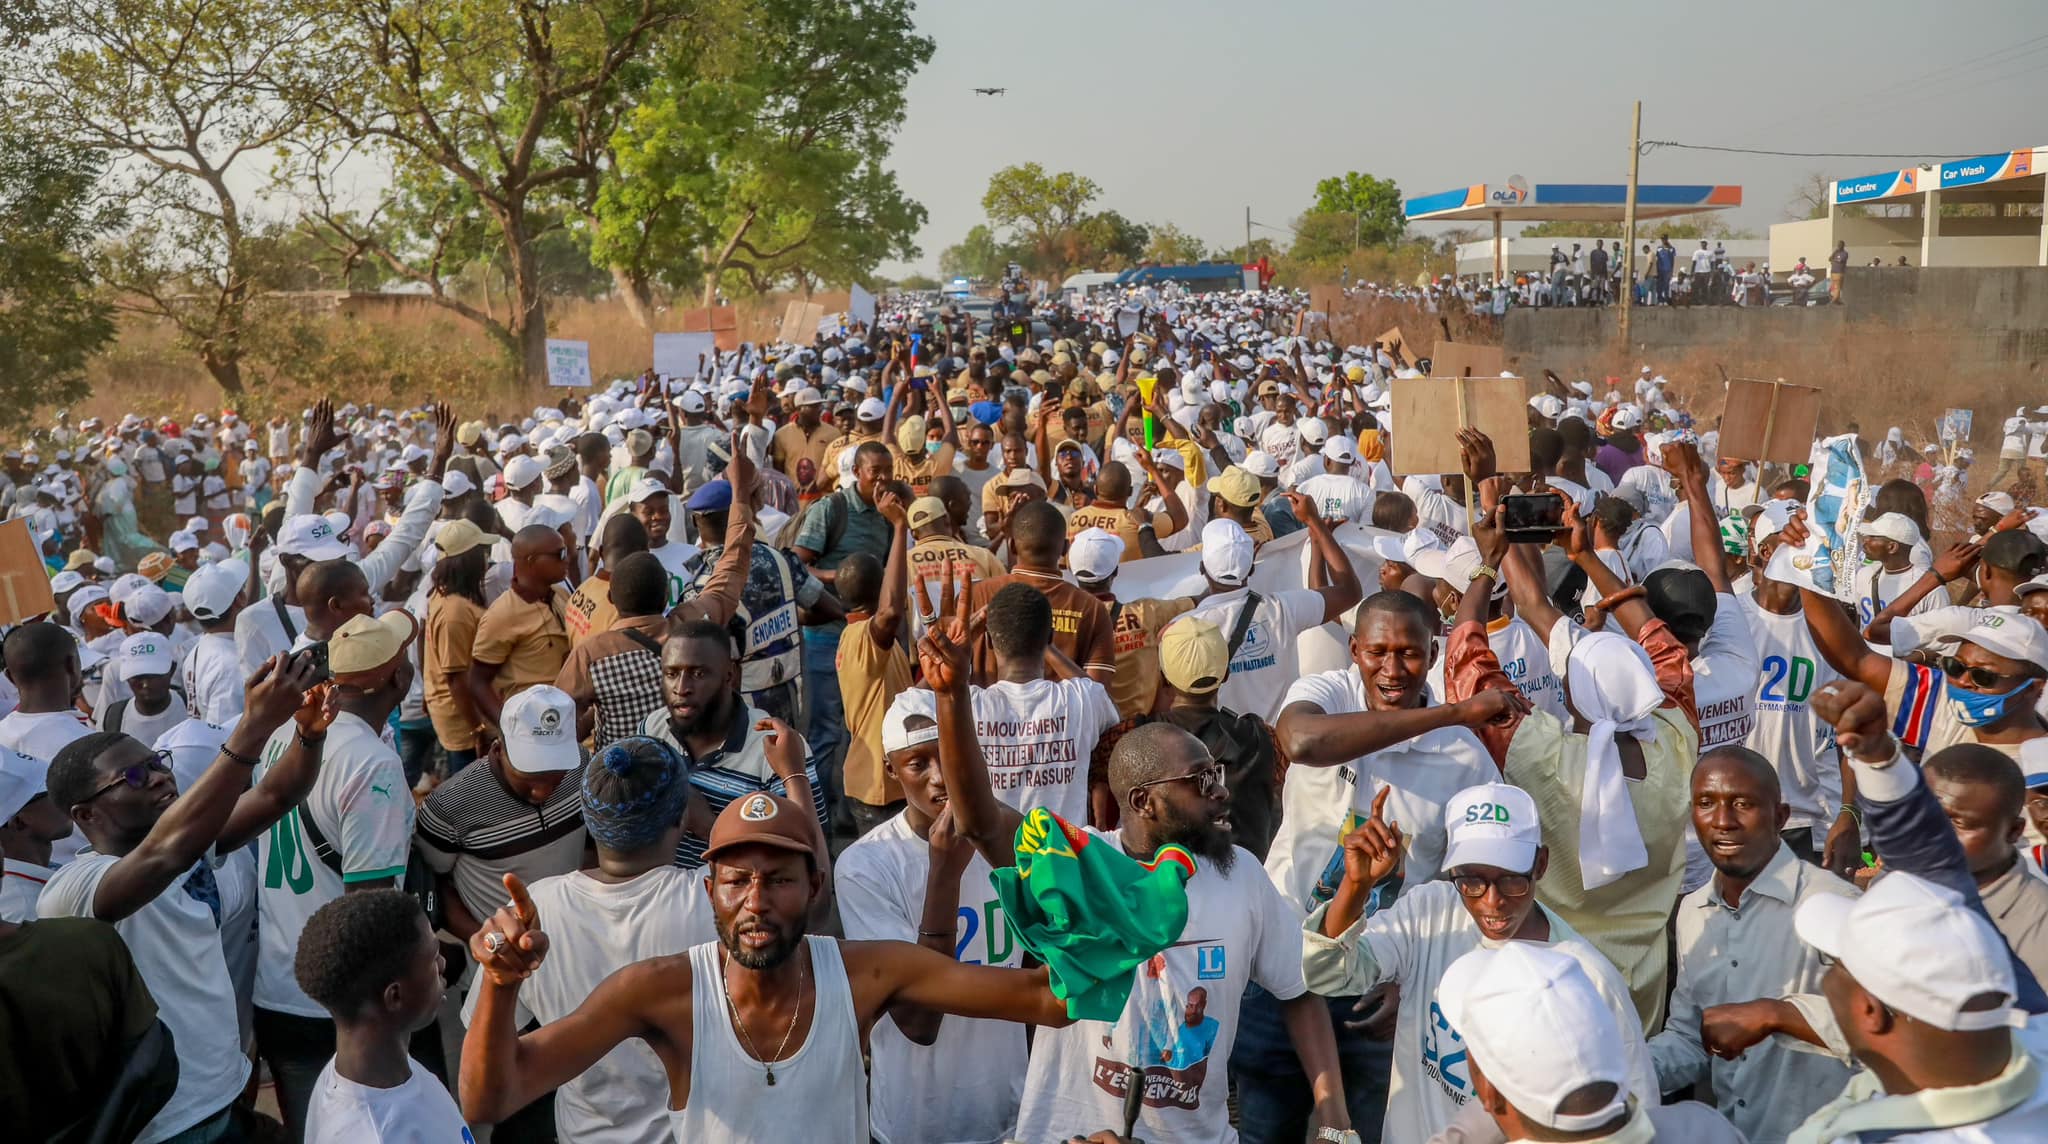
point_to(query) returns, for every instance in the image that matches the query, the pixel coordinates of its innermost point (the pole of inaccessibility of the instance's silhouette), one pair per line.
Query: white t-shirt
(1786, 731)
(363, 808)
(20, 882)
(259, 634)
(594, 928)
(1239, 931)
(1877, 588)
(1340, 497)
(965, 1086)
(143, 728)
(1724, 676)
(1318, 805)
(212, 675)
(1037, 737)
(177, 948)
(1412, 942)
(1525, 658)
(677, 559)
(420, 1111)
(1654, 486)
(1265, 662)
(41, 736)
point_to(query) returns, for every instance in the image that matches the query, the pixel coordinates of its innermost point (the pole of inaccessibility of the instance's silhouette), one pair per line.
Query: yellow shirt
(451, 633)
(526, 640)
(869, 680)
(1136, 637)
(928, 568)
(1122, 521)
(590, 609)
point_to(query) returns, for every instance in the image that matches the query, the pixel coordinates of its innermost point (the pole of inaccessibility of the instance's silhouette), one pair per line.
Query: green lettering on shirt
(286, 864)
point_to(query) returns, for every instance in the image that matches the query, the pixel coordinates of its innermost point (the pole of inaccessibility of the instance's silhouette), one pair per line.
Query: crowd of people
(1069, 730)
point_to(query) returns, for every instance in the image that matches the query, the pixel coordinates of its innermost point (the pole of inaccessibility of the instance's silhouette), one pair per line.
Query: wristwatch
(1338, 1135)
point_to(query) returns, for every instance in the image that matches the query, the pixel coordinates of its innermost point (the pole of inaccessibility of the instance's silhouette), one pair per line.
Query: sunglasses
(1983, 677)
(136, 777)
(1509, 885)
(1210, 780)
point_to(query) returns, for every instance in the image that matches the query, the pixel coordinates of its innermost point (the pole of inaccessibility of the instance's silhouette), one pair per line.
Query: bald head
(1754, 768)
(1113, 482)
(1151, 752)
(535, 539)
(1039, 533)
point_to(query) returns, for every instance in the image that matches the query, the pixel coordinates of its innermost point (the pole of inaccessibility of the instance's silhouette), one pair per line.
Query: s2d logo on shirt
(1211, 962)
(1444, 1056)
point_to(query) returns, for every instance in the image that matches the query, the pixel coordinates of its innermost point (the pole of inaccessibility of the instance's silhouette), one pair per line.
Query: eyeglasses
(1961, 672)
(137, 776)
(1509, 885)
(1209, 780)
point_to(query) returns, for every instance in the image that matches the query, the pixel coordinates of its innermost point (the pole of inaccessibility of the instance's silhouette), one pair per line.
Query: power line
(1652, 144)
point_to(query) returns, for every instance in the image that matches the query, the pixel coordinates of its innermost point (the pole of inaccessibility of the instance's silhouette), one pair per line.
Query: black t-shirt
(1839, 260)
(71, 1004)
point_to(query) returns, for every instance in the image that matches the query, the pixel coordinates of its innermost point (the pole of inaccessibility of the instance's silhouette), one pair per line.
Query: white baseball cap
(1093, 554)
(540, 730)
(147, 606)
(522, 471)
(21, 779)
(145, 653)
(693, 402)
(646, 489)
(211, 591)
(2008, 632)
(455, 482)
(1918, 948)
(908, 704)
(1341, 449)
(1538, 1028)
(1260, 463)
(809, 395)
(1227, 552)
(194, 744)
(198, 525)
(1492, 824)
(182, 541)
(66, 581)
(871, 409)
(311, 536)
(2000, 503)
(1626, 417)
(1312, 430)
(1894, 526)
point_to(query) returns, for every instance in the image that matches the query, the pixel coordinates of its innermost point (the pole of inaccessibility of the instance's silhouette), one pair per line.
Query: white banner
(676, 355)
(861, 304)
(568, 363)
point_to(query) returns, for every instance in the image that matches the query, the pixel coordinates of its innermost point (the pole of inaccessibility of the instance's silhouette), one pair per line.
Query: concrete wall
(1980, 317)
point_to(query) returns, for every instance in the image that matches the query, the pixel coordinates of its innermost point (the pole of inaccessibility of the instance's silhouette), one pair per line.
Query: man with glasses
(149, 871)
(522, 640)
(1352, 944)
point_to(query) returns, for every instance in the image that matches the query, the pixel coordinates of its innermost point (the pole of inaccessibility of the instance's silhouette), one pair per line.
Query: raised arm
(1834, 632)
(885, 974)
(1951, 565)
(978, 815)
(290, 780)
(1343, 592)
(895, 596)
(1683, 460)
(720, 598)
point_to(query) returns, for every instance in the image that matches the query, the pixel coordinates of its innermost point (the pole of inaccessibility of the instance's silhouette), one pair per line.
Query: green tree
(1323, 236)
(1169, 245)
(51, 321)
(1105, 241)
(1373, 204)
(918, 282)
(1042, 209)
(978, 255)
(759, 157)
(171, 92)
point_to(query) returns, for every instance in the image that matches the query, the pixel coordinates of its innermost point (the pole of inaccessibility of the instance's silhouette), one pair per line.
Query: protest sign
(677, 355)
(568, 364)
(1460, 359)
(1127, 321)
(1956, 423)
(1769, 420)
(722, 322)
(24, 580)
(1429, 411)
(861, 305)
(1396, 342)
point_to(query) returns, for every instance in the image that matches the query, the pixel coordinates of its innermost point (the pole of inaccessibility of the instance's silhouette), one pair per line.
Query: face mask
(1977, 709)
(932, 447)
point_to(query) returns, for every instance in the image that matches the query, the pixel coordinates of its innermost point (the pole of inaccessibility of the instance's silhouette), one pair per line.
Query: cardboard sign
(1396, 342)
(24, 581)
(1429, 411)
(722, 322)
(677, 355)
(800, 322)
(861, 305)
(568, 364)
(1328, 299)
(1462, 359)
(1769, 421)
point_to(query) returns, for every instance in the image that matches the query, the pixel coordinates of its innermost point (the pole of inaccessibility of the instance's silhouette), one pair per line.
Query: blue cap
(714, 497)
(987, 412)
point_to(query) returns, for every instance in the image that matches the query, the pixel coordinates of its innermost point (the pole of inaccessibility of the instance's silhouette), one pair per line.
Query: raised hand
(1578, 531)
(1304, 506)
(1957, 562)
(277, 690)
(739, 472)
(320, 434)
(890, 504)
(1495, 705)
(444, 438)
(1486, 529)
(950, 851)
(1373, 851)
(1862, 725)
(1475, 452)
(509, 946)
(784, 748)
(317, 710)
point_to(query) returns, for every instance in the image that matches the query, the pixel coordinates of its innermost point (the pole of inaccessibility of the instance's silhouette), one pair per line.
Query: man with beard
(711, 1014)
(1747, 908)
(724, 739)
(803, 439)
(1492, 863)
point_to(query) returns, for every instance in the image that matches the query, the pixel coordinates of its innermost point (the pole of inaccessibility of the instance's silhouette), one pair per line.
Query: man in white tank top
(758, 1031)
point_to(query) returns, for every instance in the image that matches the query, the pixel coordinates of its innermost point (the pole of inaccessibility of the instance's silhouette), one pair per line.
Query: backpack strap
(1244, 622)
(322, 849)
(116, 713)
(284, 616)
(643, 639)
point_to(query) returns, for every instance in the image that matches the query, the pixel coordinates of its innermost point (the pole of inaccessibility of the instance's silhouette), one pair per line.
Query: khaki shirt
(1124, 522)
(1136, 631)
(870, 678)
(791, 444)
(445, 655)
(590, 608)
(526, 641)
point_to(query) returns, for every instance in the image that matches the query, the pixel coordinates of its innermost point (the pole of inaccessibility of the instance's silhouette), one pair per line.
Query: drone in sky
(990, 90)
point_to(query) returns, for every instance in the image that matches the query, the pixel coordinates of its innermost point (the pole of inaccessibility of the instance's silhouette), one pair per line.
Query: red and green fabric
(1090, 912)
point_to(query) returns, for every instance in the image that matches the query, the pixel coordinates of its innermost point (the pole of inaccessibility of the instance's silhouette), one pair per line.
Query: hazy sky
(1187, 112)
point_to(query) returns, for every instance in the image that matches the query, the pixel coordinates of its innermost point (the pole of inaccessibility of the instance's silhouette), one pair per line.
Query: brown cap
(760, 819)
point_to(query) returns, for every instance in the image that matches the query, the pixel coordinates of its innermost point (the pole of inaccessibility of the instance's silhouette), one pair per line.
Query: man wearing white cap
(1888, 568)
(354, 829)
(867, 426)
(1337, 494)
(520, 813)
(29, 823)
(1135, 625)
(1493, 862)
(1262, 626)
(1548, 1059)
(1311, 434)
(804, 439)
(145, 665)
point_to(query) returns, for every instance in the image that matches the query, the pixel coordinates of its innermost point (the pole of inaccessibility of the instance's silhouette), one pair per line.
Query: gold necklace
(725, 985)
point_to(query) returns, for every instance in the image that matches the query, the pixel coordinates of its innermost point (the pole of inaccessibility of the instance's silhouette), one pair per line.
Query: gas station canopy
(1568, 202)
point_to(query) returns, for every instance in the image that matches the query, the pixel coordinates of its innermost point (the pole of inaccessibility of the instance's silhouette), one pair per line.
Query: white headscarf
(1613, 684)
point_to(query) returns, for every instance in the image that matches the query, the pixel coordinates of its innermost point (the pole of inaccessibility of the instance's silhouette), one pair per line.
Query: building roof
(1571, 202)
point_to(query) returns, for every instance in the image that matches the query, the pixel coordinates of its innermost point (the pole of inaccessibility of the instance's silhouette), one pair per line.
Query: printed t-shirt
(1038, 737)
(1786, 731)
(1339, 496)
(1524, 657)
(1180, 1023)
(1123, 522)
(966, 1084)
(420, 1111)
(1319, 805)
(212, 677)
(590, 608)
(525, 639)
(452, 623)
(1264, 664)
(176, 942)
(1136, 627)
(362, 806)
(928, 559)
(918, 471)
(1724, 677)
(870, 678)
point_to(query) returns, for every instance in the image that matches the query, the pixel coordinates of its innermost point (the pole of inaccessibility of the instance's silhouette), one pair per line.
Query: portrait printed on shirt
(1166, 1032)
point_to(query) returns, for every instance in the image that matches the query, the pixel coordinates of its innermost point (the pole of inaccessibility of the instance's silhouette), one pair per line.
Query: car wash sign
(1987, 169)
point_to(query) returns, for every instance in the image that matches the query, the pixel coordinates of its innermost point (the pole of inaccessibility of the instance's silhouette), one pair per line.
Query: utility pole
(1628, 225)
(1247, 234)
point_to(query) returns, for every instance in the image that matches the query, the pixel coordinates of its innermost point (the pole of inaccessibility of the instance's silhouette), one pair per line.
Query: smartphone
(321, 672)
(1532, 518)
